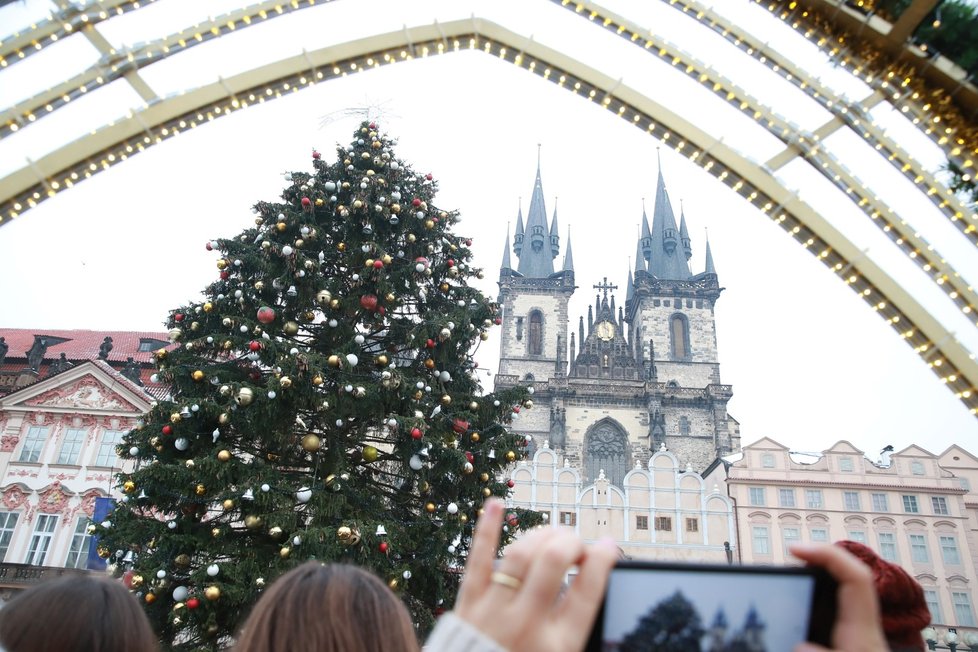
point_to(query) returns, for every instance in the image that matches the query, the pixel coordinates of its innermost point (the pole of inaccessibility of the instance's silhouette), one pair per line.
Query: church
(629, 404)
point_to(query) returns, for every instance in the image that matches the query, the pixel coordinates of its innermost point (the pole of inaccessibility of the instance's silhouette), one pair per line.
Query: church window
(568, 518)
(519, 329)
(535, 333)
(656, 302)
(663, 523)
(684, 426)
(679, 335)
(692, 525)
(641, 522)
(606, 449)
(665, 302)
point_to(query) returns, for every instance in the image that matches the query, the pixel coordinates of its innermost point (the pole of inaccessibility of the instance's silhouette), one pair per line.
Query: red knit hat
(902, 605)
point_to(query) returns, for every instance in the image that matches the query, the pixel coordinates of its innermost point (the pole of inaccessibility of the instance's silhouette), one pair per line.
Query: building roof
(82, 344)
(537, 253)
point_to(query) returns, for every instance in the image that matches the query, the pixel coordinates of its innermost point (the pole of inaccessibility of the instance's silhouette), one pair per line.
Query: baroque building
(630, 378)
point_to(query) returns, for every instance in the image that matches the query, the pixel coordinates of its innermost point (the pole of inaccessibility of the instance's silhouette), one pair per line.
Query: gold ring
(506, 580)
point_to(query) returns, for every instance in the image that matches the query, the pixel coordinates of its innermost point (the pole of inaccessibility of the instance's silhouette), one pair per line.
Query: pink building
(912, 507)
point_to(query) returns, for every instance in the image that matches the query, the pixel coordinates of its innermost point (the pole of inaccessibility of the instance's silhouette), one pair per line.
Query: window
(663, 523)
(962, 609)
(813, 498)
(8, 521)
(939, 503)
(918, 549)
(786, 497)
(880, 503)
(859, 536)
(679, 332)
(684, 426)
(692, 525)
(949, 550)
(933, 606)
(74, 438)
(790, 535)
(851, 500)
(147, 344)
(519, 329)
(568, 518)
(965, 484)
(761, 539)
(106, 450)
(845, 464)
(33, 444)
(80, 540)
(820, 534)
(917, 467)
(767, 461)
(757, 496)
(41, 540)
(888, 549)
(642, 523)
(910, 504)
(535, 333)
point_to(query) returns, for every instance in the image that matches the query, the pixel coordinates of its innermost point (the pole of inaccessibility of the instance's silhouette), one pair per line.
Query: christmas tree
(323, 404)
(671, 625)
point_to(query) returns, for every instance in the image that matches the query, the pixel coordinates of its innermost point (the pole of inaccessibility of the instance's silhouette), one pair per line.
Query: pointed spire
(710, 267)
(684, 232)
(536, 260)
(568, 255)
(518, 238)
(667, 261)
(639, 258)
(554, 238)
(629, 289)
(506, 261)
(646, 237)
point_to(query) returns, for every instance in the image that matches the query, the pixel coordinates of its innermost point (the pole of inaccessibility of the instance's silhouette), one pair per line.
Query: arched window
(679, 335)
(606, 449)
(535, 333)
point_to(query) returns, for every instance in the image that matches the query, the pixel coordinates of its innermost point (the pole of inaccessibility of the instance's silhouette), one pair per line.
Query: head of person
(903, 608)
(328, 608)
(77, 612)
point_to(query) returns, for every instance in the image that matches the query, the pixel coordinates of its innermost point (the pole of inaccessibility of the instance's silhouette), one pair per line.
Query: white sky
(810, 363)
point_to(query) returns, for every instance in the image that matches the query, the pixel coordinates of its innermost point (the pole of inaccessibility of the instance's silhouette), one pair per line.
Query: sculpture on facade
(103, 350)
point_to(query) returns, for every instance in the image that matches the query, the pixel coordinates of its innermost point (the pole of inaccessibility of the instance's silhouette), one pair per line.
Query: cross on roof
(604, 285)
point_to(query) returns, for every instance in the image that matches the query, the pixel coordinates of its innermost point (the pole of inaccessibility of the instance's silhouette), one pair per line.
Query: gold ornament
(259, 285)
(281, 226)
(317, 380)
(395, 208)
(429, 507)
(224, 455)
(411, 237)
(393, 583)
(182, 560)
(341, 246)
(299, 243)
(136, 581)
(252, 522)
(275, 532)
(198, 375)
(473, 406)
(200, 490)
(208, 306)
(484, 336)
(486, 491)
(175, 417)
(330, 480)
(484, 477)
(215, 532)
(333, 361)
(370, 454)
(311, 443)
(382, 360)
(150, 598)
(334, 304)
(103, 552)
(285, 552)
(348, 536)
(429, 224)
(290, 328)
(225, 390)
(228, 504)
(475, 437)
(510, 456)
(319, 201)
(463, 518)
(528, 403)
(224, 418)
(228, 345)
(212, 593)
(324, 297)
(429, 364)
(285, 382)
(227, 322)
(446, 399)
(129, 486)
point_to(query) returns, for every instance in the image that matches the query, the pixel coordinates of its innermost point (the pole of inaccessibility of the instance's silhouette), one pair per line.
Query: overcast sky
(809, 362)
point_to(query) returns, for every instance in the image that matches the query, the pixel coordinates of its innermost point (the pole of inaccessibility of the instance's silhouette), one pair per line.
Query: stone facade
(908, 507)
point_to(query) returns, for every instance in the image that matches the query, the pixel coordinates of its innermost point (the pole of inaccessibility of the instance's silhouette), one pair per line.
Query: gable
(914, 451)
(955, 456)
(842, 446)
(766, 443)
(85, 388)
(86, 393)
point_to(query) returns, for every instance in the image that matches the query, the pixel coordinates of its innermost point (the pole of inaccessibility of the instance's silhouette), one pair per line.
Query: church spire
(710, 267)
(536, 260)
(518, 238)
(667, 261)
(554, 237)
(506, 262)
(629, 289)
(568, 255)
(639, 258)
(646, 238)
(684, 232)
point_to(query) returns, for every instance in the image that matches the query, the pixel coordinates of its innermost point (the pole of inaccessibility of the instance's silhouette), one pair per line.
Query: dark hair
(78, 613)
(328, 608)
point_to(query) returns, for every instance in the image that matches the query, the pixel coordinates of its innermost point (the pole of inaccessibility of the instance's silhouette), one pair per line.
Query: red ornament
(316, 154)
(468, 243)
(167, 429)
(428, 176)
(498, 320)
(451, 263)
(416, 433)
(178, 317)
(383, 547)
(254, 345)
(510, 484)
(373, 125)
(415, 202)
(378, 264)
(306, 202)
(209, 247)
(369, 302)
(193, 603)
(469, 457)
(512, 520)
(460, 426)
(266, 315)
(516, 409)
(225, 275)
(430, 344)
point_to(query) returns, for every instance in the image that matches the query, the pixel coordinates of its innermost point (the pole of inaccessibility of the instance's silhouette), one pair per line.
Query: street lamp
(951, 640)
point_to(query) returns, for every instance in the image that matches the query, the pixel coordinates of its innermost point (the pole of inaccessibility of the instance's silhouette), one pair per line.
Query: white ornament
(266, 488)
(160, 574)
(248, 495)
(445, 377)
(134, 451)
(171, 524)
(406, 574)
(213, 570)
(303, 495)
(359, 339)
(352, 359)
(415, 463)
(286, 250)
(181, 444)
(180, 594)
(296, 540)
(452, 508)
(272, 394)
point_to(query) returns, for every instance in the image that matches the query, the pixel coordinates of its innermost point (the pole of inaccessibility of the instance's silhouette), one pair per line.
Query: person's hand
(520, 605)
(857, 623)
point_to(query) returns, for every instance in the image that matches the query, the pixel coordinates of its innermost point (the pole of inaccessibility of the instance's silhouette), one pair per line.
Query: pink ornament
(266, 315)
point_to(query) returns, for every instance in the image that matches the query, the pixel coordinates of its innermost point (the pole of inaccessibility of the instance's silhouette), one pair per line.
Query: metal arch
(155, 123)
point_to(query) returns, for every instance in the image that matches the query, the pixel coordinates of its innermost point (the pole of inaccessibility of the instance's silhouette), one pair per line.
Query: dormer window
(149, 344)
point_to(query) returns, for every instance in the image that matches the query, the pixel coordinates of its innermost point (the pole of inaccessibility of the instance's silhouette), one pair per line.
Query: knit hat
(903, 608)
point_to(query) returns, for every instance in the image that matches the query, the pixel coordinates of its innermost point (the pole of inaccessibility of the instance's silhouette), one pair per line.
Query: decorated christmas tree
(673, 624)
(323, 404)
